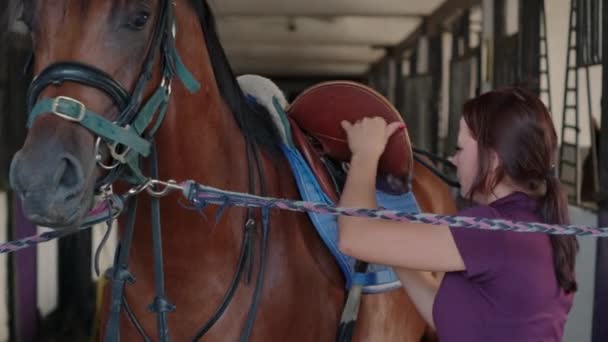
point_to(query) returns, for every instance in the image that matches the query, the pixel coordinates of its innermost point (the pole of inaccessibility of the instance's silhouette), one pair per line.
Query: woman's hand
(367, 138)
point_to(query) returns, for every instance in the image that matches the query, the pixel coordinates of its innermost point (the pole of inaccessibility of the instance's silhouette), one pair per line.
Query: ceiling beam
(436, 22)
(290, 59)
(293, 62)
(320, 15)
(305, 52)
(262, 41)
(349, 31)
(297, 68)
(430, 26)
(324, 8)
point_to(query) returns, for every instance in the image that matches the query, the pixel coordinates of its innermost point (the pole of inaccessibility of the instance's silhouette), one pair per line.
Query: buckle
(120, 156)
(70, 102)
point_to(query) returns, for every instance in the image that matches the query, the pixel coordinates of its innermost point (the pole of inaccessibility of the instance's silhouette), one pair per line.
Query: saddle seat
(315, 117)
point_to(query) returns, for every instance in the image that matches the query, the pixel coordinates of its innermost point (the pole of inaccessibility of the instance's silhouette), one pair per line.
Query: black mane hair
(254, 120)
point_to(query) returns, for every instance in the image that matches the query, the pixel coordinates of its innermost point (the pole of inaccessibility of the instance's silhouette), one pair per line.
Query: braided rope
(97, 215)
(201, 196)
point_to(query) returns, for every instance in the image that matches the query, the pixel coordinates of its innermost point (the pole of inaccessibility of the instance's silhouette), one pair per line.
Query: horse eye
(139, 20)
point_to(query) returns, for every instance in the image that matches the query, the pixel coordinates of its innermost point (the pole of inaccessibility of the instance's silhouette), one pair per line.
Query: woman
(499, 285)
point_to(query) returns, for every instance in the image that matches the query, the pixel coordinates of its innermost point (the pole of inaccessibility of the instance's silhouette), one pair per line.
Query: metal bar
(592, 132)
(579, 8)
(434, 24)
(571, 65)
(545, 55)
(435, 56)
(318, 15)
(600, 306)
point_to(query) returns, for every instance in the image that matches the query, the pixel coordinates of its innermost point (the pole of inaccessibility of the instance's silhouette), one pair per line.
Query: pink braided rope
(201, 195)
(97, 215)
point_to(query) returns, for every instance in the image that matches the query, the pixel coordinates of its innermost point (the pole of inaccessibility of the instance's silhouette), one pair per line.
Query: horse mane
(254, 120)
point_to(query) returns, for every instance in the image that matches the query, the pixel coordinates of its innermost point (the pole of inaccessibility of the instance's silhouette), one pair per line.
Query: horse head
(97, 65)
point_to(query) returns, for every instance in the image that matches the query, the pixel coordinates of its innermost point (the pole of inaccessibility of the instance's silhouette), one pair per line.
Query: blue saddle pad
(378, 278)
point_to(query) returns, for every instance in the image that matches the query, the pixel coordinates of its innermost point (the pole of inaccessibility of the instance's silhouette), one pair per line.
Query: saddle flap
(320, 109)
(314, 161)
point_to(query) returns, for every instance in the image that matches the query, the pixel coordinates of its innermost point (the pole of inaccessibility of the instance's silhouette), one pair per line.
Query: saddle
(315, 117)
(316, 149)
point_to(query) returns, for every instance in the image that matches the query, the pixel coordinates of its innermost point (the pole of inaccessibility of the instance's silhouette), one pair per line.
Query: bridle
(126, 138)
(129, 139)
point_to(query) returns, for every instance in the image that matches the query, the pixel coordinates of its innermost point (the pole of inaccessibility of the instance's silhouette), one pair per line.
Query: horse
(109, 57)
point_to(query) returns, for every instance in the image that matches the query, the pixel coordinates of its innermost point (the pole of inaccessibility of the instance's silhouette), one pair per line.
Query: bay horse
(113, 55)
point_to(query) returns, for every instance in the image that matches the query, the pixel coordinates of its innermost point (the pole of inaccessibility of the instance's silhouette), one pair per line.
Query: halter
(126, 138)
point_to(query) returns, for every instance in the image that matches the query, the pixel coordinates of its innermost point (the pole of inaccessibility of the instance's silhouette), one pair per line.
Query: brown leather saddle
(315, 118)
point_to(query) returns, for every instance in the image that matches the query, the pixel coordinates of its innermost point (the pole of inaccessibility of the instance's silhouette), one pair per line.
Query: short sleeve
(482, 251)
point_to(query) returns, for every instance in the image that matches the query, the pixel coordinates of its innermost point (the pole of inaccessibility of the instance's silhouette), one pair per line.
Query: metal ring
(138, 189)
(168, 187)
(98, 158)
(166, 83)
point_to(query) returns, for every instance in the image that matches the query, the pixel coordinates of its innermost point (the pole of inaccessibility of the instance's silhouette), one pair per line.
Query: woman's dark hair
(516, 125)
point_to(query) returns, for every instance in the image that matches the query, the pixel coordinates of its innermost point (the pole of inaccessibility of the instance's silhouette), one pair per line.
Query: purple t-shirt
(509, 291)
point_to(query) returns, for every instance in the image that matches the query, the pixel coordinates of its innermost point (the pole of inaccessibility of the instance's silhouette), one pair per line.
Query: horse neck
(201, 141)
(200, 138)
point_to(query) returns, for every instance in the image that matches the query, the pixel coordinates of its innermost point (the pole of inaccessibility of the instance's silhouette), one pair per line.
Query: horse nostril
(69, 177)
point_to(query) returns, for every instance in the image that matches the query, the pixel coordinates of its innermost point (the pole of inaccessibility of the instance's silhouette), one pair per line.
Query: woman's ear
(494, 174)
(494, 161)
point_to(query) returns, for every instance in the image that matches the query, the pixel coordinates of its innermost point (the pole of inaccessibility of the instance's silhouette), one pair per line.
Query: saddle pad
(378, 278)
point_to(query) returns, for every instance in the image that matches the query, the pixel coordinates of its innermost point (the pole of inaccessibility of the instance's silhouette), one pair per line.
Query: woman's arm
(422, 288)
(409, 245)
(389, 243)
(409, 248)
(412, 246)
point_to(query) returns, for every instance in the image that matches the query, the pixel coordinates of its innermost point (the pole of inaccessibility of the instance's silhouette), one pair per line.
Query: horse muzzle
(52, 188)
